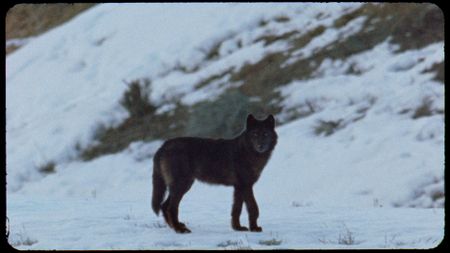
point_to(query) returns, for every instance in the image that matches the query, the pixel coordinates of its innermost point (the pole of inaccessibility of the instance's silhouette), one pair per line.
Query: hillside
(357, 91)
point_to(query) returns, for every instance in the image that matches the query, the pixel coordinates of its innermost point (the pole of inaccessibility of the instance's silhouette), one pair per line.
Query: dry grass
(425, 109)
(25, 20)
(328, 127)
(271, 242)
(48, 168)
(234, 245)
(439, 70)
(346, 237)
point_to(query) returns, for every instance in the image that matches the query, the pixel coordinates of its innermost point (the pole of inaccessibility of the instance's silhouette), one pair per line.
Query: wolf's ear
(270, 121)
(250, 121)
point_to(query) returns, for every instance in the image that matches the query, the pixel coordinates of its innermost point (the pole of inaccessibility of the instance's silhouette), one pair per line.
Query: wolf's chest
(255, 168)
(256, 172)
(249, 174)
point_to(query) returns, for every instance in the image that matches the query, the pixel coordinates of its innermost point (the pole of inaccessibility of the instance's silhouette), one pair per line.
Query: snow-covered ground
(336, 191)
(89, 223)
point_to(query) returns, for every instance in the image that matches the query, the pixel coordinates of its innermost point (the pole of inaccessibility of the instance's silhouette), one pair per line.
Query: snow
(355, 185)
(308, 166)
(370, 107)
(90, 224)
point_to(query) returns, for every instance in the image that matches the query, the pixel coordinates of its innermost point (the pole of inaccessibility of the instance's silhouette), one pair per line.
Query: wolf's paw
(182, 225)
(240, 228)
(256, 229)
(182, 230)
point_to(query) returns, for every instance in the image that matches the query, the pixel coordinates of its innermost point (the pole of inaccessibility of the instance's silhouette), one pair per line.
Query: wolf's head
(260, 134)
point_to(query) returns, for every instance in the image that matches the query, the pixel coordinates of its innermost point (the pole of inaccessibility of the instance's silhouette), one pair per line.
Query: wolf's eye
(255, 134)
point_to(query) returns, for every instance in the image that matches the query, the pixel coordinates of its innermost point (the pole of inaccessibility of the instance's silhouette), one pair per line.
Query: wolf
(236, 162)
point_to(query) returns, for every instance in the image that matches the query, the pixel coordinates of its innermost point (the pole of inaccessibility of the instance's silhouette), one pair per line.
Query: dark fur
(235, 162)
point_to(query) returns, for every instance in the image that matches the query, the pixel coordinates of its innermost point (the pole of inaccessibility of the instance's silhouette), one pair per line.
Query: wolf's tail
(159, 186)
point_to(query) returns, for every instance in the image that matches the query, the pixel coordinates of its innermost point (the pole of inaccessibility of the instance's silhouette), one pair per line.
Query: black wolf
(236, 162)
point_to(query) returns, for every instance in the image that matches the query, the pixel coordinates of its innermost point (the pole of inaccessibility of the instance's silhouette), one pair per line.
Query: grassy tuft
(143, 124)
(439, 70)
(328, 127)
(425, 109)
(271, 242)
(48, 168)
(136, 99)
(346, 238)
(234, 244)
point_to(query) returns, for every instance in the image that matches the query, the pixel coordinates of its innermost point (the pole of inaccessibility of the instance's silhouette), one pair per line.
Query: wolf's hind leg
(167, 215)
(165, 212)
(177, 191)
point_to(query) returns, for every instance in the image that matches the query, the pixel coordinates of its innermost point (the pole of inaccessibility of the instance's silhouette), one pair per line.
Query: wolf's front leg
(238, 200)
(252, 209)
